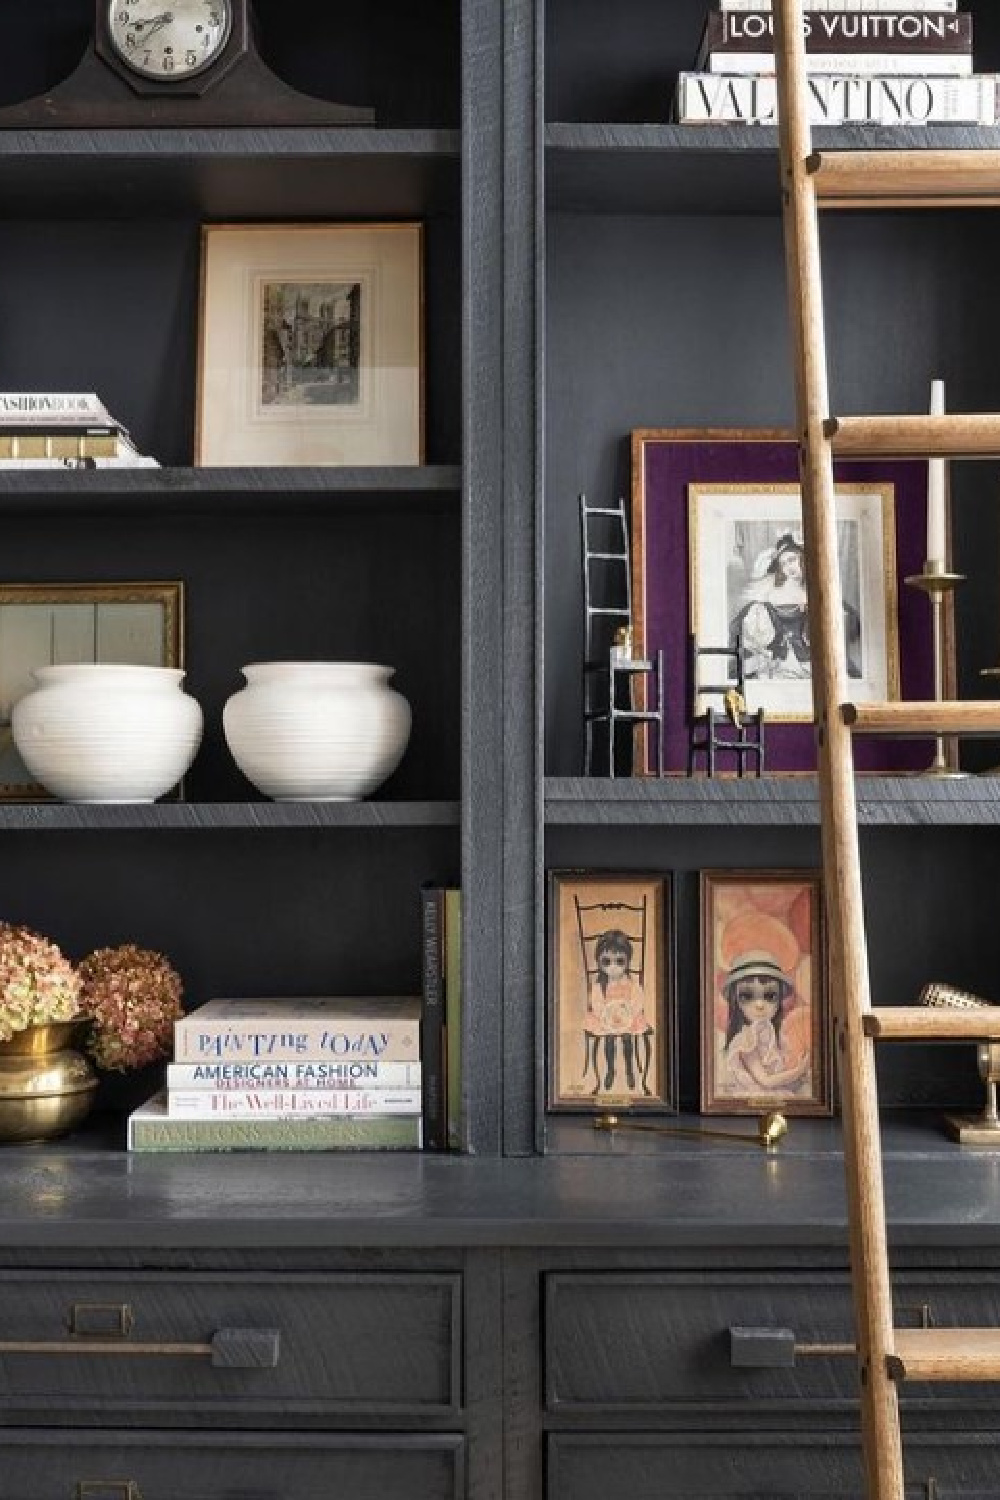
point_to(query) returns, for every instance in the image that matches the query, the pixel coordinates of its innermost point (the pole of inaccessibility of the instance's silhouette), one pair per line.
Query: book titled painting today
(380, 1027)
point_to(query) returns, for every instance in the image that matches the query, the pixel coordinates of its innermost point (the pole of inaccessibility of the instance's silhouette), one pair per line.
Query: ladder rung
(955, 435)
(945, 1354)
(922, 718)
(915, 1023)
(906, 176)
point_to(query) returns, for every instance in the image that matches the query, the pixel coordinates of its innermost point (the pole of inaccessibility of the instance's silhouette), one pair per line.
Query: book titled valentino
(711, 98)
(286, 1030)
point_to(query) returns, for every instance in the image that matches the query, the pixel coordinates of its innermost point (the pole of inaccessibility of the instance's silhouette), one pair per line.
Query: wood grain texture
(902, 1023)
(946, 1354)
(933, 177)
(922, 718)
(958, 435)
(41, 817)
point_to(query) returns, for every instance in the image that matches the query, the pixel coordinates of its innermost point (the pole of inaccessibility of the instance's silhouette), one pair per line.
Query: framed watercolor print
(311, 344)
(611, 1008)
(765, 1009)
(49, 624)
(716, 550)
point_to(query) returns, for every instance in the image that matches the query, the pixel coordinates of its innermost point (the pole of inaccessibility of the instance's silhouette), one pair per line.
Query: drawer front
(754, 1467)
(646, 1342)
(155, 1466)
(348, 1345)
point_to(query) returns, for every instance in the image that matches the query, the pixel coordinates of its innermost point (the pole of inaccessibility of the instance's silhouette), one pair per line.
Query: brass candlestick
(936, 582)
(770, 1129)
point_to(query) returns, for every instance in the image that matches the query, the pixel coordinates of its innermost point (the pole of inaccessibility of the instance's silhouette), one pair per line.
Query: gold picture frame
(310, 347)
(45, 624)
(765, 995)
(611, 993)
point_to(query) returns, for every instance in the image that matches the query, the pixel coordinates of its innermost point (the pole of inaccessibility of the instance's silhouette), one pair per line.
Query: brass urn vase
(46, 1086)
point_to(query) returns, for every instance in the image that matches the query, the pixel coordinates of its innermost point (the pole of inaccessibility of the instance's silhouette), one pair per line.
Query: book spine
(432, 1024)
(39, 445)
(391, 1040)
(48, 408)
(708, 98)
(843, 31)
(927, 65)
(248, 1104)
(453, 1016)
(324, 1133)
(852, 6)
(294, 1075)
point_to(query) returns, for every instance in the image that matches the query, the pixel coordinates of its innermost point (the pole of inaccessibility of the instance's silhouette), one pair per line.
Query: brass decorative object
(46, 1087)
(971, 1130)
(937, 582)
(770, 1129)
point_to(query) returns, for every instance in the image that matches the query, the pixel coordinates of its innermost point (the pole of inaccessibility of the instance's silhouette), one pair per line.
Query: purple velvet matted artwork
(665, 465)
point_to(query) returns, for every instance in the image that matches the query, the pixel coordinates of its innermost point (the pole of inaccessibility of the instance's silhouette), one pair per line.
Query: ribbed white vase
(99, 732)
(317, 731)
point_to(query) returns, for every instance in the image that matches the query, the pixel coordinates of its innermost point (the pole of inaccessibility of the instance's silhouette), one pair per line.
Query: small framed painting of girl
(610, 1039)
(765, 1014)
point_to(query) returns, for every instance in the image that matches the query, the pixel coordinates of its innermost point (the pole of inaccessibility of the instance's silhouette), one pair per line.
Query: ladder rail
(841, 856)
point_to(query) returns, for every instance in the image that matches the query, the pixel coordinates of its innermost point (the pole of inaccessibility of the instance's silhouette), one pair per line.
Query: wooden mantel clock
(175, 63)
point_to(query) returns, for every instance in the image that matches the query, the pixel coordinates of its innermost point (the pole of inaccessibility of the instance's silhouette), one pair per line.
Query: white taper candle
(936, 547)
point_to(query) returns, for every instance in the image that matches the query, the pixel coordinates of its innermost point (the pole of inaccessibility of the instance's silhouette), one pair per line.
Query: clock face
(169, 39)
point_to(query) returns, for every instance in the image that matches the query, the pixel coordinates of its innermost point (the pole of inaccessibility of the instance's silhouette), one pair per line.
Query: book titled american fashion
(710, 98)
(248, 1104)
(338, 1028)
(295, 1075)
(150, 1128)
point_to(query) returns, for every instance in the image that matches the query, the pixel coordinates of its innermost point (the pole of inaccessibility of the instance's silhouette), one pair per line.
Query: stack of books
(874, 62)
(64, 430)
(324, 1074)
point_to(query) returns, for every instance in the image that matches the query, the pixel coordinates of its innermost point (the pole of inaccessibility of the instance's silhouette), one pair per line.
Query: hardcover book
(432, 1024)
(249, 1104)
(850, 5)
(888, 64)
(707, 98)
(294, 1075)
(150, 1128)
(338, 1028)
(842, 31)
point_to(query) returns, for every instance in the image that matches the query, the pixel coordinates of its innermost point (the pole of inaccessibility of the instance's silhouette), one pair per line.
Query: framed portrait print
(49, 624)
(311, 344)
(717, 561)
(765, 1012)
(610, 1041)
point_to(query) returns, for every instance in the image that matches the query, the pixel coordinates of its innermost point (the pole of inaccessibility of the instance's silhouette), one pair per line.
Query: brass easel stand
(770, 1129)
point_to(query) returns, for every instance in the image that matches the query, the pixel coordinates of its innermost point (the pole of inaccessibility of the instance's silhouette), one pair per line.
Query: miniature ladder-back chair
(908, 179)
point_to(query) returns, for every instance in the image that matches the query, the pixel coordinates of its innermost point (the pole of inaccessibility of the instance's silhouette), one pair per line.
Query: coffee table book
(151, 1129)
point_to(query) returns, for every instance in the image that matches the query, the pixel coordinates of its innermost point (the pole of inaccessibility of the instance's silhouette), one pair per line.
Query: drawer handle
(776, 1349)
(101, 1320)
(227, 1349)
(107, 1489)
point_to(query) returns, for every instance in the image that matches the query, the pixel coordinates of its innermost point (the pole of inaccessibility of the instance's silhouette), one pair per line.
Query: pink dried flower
(37, 984)
(132, 997)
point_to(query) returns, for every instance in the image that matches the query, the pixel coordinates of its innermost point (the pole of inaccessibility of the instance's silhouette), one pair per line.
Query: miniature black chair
(727, 728)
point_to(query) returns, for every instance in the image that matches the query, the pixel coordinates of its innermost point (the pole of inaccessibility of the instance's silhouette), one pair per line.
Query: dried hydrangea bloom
(37, 983)
(132, 997)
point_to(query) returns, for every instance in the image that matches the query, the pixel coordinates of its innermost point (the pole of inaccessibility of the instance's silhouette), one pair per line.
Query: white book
(251, 1104)
(54, 409)
(891, 64)
(338, 1074)
(847, 5)
(714, 98)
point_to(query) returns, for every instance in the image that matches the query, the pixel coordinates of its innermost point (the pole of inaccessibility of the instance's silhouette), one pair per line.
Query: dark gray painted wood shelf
(638, 1190)
(223, 490)
(678, 169)
(40, 817)
(312, 173)
(903, 801)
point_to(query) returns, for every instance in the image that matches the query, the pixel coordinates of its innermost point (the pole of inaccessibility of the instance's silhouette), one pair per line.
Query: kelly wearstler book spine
(294, 1075)
(842, 31)
(710, 98)
(432, 1029)
(249, 1104)
(150, 1128)
(886, 64)
(453, 1017)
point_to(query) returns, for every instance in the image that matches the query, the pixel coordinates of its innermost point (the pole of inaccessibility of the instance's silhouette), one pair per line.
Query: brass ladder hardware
(770, 1129)
(887, 1354)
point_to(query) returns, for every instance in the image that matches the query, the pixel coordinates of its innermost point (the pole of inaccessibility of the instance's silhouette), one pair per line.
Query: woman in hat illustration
(757, 991)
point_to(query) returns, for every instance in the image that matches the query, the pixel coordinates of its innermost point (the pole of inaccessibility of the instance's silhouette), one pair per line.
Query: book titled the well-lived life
(712, 98)
(336, 1028)
(251, 1104)
(150, 1128)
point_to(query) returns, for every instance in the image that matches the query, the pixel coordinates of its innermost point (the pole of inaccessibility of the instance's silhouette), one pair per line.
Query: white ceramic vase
(97, 732)
(317, 731)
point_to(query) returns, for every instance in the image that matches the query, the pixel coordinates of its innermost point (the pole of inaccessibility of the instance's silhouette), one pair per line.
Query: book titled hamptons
(285, 1030)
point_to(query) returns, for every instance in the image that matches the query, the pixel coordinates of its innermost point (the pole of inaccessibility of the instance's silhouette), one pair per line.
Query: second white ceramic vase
(98, 732)
(317, 731)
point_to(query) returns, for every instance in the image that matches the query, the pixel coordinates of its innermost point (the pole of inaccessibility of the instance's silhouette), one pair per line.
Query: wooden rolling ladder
(909, 179)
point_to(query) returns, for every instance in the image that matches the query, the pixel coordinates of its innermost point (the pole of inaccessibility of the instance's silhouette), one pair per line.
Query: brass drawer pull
(101, 1320)
(228, 1349)
(107, 1489)
(776, 1349)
